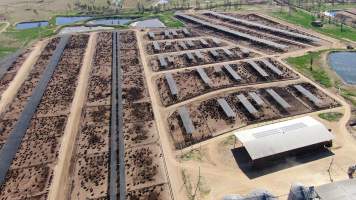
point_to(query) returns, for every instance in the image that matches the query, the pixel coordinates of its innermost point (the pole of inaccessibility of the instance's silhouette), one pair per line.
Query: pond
(344, 64)
(110, 21)
(70, 20)
(28, 25)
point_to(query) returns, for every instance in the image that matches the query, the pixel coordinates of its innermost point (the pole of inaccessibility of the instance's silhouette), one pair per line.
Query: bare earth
(61, 170)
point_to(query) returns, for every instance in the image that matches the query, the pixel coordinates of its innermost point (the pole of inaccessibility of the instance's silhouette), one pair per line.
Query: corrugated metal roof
(171, 83)
(226, 108)
(278, 98)
(232, 73)
(199, 55)
(308, 94)
(174, 32)
(187, 122)
(228, 52)
(162, 61)
(272, 67)
(151, 35)
(186, 32)
(340, 190)
(204, 76)
(264, 27)
(235, 33)
(216, 41)
(182, 45)
(256, 98)
(166, 33)
(189, 56)
(246, 103)
(214, 53)
(156, 46)
(204, 42)
(190, 43)
(283, 136)
(261, 71)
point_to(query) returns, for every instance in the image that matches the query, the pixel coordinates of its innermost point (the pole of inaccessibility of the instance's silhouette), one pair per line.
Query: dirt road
(60, 186)
(22, 74)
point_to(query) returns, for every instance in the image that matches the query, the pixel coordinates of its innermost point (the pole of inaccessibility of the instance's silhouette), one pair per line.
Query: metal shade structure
(166, 33)
(261, 71)
(162, 61)
(339, 190)
(234, 33)
(186, 120)
(216, 41)
(228, 52)
(272, 67)
(256, 98)
(214, 53)
(283, 137)
(226, 108)
(189, 56)
(264, 27)
(182, 45)
(171, 84)
(217, 69)
(232, 73)
(199, 55)
(204, 42)
(190, 43)
(174, 33)
(246, 103)
(308, 94)
(156, 46)
(186, 32)
(151, 35)
(204, 76)
(278, 99)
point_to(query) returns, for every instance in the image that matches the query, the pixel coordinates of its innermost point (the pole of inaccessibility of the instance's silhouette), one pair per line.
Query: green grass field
(302, 64)
(304, 19)
(331, 116)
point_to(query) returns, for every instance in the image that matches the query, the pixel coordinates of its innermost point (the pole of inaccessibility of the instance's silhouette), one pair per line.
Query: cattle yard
(219, 73)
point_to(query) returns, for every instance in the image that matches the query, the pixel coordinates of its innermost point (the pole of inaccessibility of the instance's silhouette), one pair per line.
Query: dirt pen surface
(112, 120)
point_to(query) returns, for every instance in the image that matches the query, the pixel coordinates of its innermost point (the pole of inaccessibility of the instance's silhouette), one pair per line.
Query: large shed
(277, 140)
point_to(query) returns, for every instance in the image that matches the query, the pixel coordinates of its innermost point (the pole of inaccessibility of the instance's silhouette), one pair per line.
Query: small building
(278, 140)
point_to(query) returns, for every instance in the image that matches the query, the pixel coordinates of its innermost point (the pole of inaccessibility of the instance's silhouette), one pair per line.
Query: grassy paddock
(304, 19)
(331, 116)
(315, 72)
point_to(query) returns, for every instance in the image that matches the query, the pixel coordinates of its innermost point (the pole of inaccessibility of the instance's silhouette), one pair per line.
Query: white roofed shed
(283, 137)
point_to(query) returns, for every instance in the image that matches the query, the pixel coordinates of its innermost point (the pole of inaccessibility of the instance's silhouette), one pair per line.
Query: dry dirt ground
(214, 161)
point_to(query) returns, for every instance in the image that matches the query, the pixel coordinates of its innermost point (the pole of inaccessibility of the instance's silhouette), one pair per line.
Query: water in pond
(70, 20)
(110, 21)
(344, 63)
(28, 25)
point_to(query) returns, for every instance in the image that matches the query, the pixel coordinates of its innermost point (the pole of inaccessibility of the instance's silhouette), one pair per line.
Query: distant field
(304, 19)
(19, 10)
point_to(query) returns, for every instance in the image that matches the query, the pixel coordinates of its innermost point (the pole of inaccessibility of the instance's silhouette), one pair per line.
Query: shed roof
(232, 73)
(283, 136)
(187, 122)
(226, 108)
(171, 84)
(339, 190)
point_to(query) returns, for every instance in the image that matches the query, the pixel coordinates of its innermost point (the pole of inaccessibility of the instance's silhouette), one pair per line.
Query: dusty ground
(219, 171)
